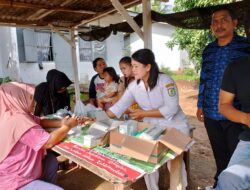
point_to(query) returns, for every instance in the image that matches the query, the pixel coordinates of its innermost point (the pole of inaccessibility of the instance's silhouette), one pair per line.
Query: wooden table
(124, 184)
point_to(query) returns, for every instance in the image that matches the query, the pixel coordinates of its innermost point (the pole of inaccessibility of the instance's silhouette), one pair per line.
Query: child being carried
(110, 88)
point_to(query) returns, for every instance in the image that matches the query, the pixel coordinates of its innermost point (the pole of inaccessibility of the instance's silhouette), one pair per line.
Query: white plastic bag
(80, 108)
(92, 110)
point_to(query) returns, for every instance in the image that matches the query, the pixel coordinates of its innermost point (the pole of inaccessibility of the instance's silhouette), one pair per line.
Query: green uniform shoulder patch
(170, 85)
(171, 90)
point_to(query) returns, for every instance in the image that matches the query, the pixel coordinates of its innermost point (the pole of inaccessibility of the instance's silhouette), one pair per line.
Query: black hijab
(47, 98)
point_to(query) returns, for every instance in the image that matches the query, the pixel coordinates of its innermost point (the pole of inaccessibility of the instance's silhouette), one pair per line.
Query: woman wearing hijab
(23, 142)
(52, 95)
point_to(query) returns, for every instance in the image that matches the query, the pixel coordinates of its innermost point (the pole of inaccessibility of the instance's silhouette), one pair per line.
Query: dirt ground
(202, 163)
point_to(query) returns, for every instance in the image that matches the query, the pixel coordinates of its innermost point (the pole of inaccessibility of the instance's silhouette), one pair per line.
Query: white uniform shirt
(163, 97)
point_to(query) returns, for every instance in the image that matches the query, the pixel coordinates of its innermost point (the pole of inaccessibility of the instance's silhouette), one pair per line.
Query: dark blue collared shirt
(215, 59)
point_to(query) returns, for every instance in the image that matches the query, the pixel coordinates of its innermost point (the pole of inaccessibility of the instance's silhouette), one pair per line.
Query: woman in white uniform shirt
(157, 96)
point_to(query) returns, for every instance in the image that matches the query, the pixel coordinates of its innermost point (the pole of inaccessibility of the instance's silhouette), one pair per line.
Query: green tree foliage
(4, 80)
(193, 40)
(156, 5)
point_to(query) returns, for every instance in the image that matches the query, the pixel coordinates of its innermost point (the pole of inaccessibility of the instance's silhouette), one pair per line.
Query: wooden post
(176, 173)
(72, 43)
(120, 186)
(74, 63)
(147, 24)
(118, 6)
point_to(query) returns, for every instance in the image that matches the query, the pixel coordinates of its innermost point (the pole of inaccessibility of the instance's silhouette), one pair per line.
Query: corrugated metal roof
(59, 13)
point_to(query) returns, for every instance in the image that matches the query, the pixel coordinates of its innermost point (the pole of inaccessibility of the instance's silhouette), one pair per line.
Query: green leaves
(4, 80)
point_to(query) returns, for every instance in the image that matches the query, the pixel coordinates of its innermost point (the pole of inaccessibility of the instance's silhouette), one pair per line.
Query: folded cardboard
(98, 133)
(152, 133)
(149, 150)
(102, 125)
(88, 141)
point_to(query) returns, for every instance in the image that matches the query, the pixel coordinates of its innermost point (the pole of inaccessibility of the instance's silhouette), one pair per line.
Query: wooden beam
(35, 15)
(44, 14)
(127, 17)
(36, 6)
(147, 24)
(41, 13)
(83, 22)
(17, 21)
(30, 26)
(62, 35)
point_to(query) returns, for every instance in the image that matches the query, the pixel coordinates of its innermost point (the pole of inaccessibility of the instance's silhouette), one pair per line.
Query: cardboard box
(85, 141)
(149, 150)
(98, 132)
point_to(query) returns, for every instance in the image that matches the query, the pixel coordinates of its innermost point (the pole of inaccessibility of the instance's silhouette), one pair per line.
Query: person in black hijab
(52, 95)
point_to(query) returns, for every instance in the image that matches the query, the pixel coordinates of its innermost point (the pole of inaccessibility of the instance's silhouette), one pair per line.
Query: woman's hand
(84, 120)
(137, 114)
(70, 121)
(57, 135)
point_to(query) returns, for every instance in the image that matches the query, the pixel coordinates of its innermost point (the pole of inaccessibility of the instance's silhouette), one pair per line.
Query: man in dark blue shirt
(97, 82)
(223, 134)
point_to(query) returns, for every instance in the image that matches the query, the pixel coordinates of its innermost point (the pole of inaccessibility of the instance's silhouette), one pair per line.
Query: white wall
(164, 55)
(63, 61)
(31, 73)
(85, 71)
(9, 54)
(114, 45)
(62, 55)
(186, 62)
(3, 50)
